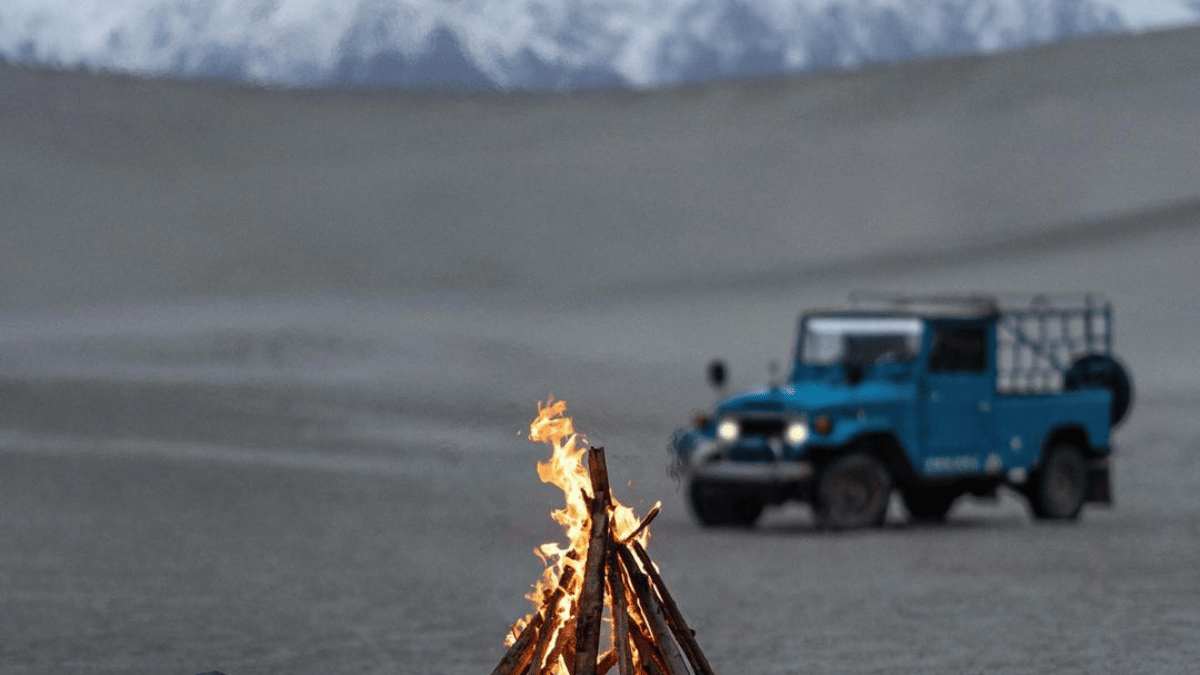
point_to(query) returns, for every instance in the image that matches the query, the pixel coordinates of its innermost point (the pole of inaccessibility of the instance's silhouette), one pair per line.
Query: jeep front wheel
(852, 492)
(1059, 488)
(714, 509)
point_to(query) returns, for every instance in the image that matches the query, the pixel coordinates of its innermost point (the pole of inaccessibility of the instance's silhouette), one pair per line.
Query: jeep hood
(813, 396)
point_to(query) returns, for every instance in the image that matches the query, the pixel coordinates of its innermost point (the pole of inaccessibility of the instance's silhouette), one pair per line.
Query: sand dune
(675, 225)
(119, 189)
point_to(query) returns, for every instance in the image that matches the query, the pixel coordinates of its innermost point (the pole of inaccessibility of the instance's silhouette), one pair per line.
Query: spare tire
(1104, 372)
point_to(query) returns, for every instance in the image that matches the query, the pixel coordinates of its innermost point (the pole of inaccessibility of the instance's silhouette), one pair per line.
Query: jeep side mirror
(716, 373)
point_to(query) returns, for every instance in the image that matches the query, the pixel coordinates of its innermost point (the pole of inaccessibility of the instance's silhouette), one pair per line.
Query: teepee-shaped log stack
(648, 633)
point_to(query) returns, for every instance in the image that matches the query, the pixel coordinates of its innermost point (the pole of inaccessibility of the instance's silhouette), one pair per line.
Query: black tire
(1059, 487)
(1104, 372)
(853, 492)
(929, 504)
(714, 509)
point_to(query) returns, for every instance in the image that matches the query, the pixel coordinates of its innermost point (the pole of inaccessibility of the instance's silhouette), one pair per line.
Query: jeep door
(957, 394)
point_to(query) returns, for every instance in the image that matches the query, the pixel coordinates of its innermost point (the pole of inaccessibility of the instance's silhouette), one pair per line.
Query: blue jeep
(935, 397)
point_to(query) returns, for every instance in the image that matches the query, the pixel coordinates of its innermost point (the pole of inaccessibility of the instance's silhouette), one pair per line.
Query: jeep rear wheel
(853, 492)
(713, 509)
(1059, 488)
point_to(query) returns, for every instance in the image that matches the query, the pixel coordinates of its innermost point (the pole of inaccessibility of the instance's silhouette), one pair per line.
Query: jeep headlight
(796, 433)
(728, 430)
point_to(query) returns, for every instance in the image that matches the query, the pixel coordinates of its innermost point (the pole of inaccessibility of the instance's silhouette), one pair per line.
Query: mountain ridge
(477, 45)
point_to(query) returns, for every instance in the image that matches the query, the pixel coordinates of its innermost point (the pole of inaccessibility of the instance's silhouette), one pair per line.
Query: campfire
(601, 584)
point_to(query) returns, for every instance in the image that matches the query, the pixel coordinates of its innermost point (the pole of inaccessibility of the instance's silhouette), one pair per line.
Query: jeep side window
(959, 350)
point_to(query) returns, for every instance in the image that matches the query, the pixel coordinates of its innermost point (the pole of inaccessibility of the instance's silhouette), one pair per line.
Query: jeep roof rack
(949, 306)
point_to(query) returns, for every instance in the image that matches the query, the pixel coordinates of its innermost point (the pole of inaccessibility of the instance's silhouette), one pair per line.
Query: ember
(602, 581)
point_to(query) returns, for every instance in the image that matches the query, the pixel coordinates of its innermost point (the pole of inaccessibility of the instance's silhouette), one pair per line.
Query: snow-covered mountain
(538, 44)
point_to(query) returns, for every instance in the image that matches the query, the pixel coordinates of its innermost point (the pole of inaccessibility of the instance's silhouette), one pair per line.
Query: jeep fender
(1073, 433)
(848, 431)
(882, 444)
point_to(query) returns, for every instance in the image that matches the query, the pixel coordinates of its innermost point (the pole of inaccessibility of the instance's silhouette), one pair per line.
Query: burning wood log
(607, 661)
(651, 657)
(642, 525)
(562, 636)
(591, 598)
(683, 634)
(654, 614)
(564, 646)
(523, 650)
(620, 614)
(519, 655)
(543, 656)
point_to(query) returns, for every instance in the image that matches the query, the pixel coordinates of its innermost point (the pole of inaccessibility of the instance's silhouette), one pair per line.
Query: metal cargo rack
(1039, 337)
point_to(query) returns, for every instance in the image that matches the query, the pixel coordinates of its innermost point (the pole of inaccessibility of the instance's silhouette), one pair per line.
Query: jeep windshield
(858, 340)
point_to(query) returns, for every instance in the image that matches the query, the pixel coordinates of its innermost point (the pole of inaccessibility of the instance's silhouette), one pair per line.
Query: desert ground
(268, 358)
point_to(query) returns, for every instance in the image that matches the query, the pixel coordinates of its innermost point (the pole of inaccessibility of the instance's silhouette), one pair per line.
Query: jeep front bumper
(767, 482)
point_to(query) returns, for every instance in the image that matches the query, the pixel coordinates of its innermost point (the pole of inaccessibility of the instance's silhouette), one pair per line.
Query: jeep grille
(757, 426)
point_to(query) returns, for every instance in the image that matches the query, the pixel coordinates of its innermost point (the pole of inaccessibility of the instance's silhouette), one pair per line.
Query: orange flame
(566, 469)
